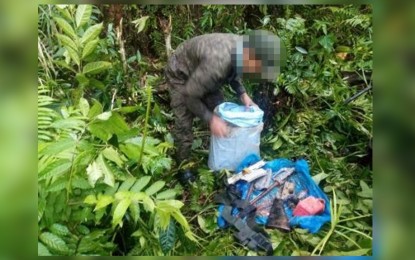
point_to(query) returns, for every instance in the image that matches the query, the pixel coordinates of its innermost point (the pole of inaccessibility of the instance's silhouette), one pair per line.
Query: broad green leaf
(167, 237)
(55, 169)
(140, 184)
(87, 245)
(202, 223)
(364, 185)
(66, 41)
(63, 10)
(54, 242)
(319, 177)
(178, 216)
(137, 197)
(90, 199)
(137, 233)
(83, 13)
(65, 65)
(81, 183)
(155, 187)
(41, 205)
(74, 55)
(59, 229)
(91, 33)
(66, 27)
(94, 172)
(132, 151)
(94, 83)
(99, 131)
(162, 218)
(96, 67)
(95, 110)
(82, 79)
(148, 204)
(277, 144)
(301, 50)
(366, 194)
(58, 147)
(115, 124)
(138, 56)
(108, 175)
(82, 160)
(357, 252)
(42, 250)
(140, 23)
(82, 229)
(112, 155)
(103, 201)
(126, 185)
(327, 42)
(89, 48)
(142, 241)
(119, 211)
(58, 185)
(135, 211)
(343, 48)
(366, 191)
(120, 195)
(266, 20)
(167, 194)
(138, 140)
(170, 205)
(84, 106)
(104, 116)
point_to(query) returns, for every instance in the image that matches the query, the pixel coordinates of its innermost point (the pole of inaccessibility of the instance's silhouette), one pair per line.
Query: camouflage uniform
(196, 73)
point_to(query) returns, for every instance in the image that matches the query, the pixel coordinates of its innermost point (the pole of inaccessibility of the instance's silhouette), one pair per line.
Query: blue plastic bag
(302, 180)
(245, 126)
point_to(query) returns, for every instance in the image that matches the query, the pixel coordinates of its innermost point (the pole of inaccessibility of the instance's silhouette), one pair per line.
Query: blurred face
(250, 63)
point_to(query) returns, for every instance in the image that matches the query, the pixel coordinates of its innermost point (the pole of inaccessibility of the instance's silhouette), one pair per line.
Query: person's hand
(218, 127)
(247, 101)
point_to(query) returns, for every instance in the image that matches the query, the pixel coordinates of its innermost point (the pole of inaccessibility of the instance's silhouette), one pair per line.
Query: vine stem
(148, 92)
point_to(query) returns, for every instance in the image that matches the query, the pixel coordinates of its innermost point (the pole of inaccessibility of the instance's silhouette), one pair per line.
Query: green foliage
(168, 237)
(105, 174)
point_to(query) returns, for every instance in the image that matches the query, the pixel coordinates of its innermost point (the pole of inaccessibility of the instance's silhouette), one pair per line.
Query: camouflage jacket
(203, 65)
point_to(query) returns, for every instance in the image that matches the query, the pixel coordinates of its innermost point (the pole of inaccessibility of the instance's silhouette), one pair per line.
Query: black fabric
(249, 233)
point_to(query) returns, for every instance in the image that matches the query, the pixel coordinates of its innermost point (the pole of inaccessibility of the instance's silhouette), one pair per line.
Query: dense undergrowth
(106, 183)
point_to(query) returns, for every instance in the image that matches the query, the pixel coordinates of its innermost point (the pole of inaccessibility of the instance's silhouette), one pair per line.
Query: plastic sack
(240, 115)
(303, 182)
(228, 152)
(245, 127)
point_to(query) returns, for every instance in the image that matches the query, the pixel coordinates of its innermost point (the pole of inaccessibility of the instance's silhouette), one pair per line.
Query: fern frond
(291, 89)
(46, 115)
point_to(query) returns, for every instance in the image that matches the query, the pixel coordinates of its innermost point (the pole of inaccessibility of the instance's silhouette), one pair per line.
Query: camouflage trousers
(183, 119)
(182, 132)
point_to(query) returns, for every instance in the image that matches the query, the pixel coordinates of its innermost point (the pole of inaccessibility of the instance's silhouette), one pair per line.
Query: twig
(167, 29)
(118, 31)
(113, 98)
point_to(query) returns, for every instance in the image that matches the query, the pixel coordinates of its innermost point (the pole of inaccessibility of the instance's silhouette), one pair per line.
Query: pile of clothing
(279, 194)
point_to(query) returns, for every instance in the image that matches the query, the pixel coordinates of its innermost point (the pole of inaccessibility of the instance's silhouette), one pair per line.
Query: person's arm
(217, 126)
(203, 80)
(237, 86)
(241, 92)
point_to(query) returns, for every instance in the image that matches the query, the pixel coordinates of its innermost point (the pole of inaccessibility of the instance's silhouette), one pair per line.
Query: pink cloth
(309, 206)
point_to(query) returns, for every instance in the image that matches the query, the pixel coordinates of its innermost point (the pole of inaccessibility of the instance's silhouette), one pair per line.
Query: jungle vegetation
(106, 178)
